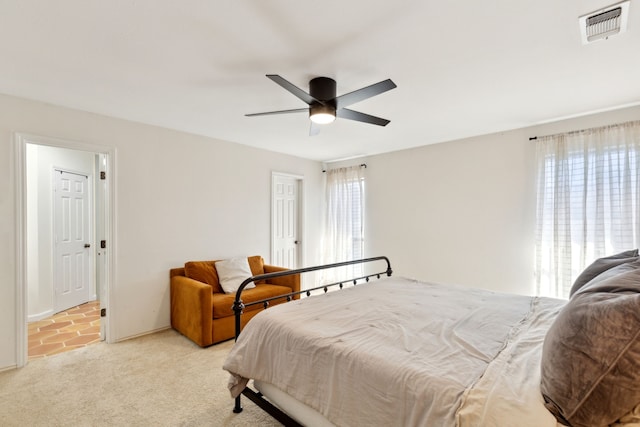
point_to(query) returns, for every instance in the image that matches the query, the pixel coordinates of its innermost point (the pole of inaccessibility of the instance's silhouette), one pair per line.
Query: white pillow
(232, 272)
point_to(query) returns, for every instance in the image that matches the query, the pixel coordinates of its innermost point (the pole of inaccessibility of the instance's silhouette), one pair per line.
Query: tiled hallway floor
(77, 327)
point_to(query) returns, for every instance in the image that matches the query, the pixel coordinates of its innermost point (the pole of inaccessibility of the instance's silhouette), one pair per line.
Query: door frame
(300, 232)
(20, 178)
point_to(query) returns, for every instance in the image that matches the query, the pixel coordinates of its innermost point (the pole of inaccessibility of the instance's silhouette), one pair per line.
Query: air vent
(602, 24)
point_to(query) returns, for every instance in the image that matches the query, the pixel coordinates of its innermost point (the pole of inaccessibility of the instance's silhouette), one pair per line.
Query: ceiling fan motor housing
(322, 88)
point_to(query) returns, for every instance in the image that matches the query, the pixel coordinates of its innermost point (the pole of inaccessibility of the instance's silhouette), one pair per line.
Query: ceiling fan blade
(345, 113)
(293, 89)
(314, 129)
(268, 113)
(364, 93)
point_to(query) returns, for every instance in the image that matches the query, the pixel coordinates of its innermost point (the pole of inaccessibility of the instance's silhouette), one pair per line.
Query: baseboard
(8, 368)
(130, 337)
(39, 316)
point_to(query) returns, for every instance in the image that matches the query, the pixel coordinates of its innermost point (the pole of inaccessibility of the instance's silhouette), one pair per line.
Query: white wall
(179, 197)
(464, 211)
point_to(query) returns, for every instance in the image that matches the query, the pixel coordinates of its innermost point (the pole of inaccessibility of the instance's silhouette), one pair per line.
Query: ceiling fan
(325, 106)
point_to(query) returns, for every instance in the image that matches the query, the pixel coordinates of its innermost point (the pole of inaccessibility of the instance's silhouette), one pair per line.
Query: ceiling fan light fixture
(325, 106)
(322, 114)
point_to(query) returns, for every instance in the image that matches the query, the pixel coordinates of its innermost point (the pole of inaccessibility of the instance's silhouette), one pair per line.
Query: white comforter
(403, 352)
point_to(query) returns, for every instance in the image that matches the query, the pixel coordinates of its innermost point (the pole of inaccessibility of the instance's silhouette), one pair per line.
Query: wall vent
(603, 23)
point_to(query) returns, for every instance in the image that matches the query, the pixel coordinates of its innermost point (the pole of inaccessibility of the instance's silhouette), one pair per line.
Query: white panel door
(73, 267)
(285, 221)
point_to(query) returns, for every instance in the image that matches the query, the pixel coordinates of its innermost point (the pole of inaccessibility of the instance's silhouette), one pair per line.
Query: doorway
(51, 276)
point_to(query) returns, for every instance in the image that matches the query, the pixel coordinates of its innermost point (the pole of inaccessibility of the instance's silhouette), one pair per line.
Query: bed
(397, 351)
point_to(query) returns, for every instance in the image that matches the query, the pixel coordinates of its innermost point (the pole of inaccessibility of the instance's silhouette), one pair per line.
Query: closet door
(73, 267)
(285, 222)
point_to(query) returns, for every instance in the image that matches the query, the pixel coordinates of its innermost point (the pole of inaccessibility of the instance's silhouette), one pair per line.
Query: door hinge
(103, 312)
(103, 175)
(103, 244)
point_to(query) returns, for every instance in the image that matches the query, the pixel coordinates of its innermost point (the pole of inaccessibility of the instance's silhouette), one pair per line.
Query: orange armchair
(201, 311)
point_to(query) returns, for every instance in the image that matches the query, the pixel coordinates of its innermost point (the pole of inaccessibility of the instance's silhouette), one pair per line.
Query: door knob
(86, 245)
(295, 242)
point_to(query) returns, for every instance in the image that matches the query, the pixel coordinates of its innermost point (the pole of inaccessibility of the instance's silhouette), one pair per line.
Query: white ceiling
(463, 68)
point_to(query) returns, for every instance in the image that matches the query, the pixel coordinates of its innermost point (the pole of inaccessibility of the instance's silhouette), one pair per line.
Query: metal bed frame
(238, 308)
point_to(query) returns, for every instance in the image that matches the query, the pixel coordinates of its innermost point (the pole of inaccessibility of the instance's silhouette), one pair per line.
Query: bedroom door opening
(286, 235)
(52, 277)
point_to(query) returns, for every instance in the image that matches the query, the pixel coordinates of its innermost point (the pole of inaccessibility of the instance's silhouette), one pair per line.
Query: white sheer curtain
(343, 238)
(588, 201)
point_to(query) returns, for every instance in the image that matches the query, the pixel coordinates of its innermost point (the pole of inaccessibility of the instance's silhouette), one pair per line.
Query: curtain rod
(362, 165)
(575, 132)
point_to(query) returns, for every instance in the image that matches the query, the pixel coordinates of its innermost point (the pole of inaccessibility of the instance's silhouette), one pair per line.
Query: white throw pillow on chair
(232, 272)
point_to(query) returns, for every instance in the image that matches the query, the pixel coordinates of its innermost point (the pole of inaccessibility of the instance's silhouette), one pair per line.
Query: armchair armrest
(191, 309)
(292, 281)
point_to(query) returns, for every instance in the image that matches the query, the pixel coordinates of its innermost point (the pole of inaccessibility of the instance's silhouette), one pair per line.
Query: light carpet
(162, 379)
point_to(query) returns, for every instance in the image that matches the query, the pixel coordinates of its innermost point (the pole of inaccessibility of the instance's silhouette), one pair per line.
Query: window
(344, 222)
(588, 201)
(355, 192)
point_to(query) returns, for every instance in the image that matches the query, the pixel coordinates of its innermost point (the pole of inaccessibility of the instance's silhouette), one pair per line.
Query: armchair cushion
(205, 272)
(256, 263)
(223, 303)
